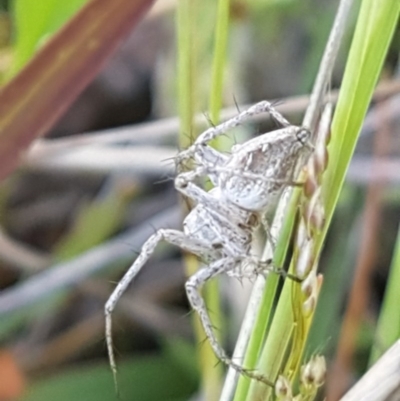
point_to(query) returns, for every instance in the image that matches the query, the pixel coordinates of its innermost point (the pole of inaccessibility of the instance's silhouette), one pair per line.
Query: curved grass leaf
(34, 99)
(34, 21)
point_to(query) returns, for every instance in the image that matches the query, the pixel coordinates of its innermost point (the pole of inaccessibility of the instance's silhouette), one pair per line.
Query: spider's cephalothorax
(221, 226)
(256, 172)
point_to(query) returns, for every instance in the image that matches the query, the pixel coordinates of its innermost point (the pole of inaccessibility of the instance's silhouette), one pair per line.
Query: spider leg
(185, 185)
(173, 237)
(267, 267)
(222, 128)
(268, 233)
(193, 286)
(206, 157)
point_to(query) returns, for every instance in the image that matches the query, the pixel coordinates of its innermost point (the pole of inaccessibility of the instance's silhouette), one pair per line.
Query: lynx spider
(220, 228)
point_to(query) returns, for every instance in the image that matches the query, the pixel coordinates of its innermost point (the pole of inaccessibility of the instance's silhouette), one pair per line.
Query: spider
(221, 226)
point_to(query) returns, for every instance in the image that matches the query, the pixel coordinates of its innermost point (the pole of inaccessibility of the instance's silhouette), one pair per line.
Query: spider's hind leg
(193, 286)
(267, 267)
(280, 271)
(173, 237)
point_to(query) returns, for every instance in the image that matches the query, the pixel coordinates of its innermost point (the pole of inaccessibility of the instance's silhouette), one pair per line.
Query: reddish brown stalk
(32, 102)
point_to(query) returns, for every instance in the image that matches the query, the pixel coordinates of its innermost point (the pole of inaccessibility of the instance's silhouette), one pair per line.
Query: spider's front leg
(184, 183)
(193, 287)
(173, 237)
(206, 158)
(213, 132)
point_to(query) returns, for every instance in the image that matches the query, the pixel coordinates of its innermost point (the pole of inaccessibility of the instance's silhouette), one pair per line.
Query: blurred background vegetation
(76, 211)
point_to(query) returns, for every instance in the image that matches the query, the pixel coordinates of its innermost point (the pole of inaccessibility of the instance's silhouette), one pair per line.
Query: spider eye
(303, 135)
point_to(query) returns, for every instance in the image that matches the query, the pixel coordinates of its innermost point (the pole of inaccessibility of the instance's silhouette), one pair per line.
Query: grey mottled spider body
(221, 226)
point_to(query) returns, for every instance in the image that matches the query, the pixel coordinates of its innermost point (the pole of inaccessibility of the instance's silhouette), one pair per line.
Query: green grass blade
(219, 59)
(194, 57)
(243, 391)
(372, 37)
(374, 30)
(337, 276)
(388, 328)
(186, 69)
